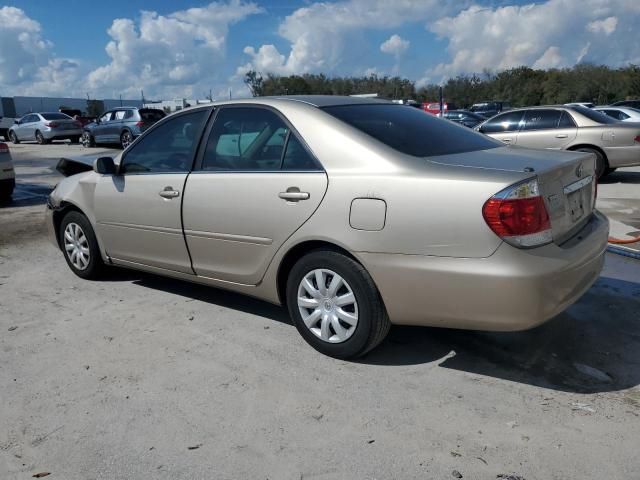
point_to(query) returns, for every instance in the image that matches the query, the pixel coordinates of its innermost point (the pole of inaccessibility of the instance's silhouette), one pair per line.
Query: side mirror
(104, 166)
(16, 121)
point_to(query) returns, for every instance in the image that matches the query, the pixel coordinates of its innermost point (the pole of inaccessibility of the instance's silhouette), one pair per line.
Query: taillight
(139, 124)
(518, 215)
(637, 139)
(50, 124)
(4, 148)
(77, 124)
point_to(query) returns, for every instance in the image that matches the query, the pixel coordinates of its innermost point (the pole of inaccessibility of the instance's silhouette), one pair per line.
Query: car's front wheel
(13, 137)
(335, 304)
(87, 140)
(80, 247)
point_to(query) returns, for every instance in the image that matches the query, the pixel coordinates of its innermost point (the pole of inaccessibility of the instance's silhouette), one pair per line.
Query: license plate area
(576, 205)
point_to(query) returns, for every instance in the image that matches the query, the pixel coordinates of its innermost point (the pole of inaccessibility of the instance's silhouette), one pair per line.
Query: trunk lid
(566, 179)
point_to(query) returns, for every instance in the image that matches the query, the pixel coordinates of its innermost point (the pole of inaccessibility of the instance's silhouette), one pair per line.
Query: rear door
(504, 127)
(27, 127)
(546, 128)
(100, 131)
(114, 127)
(256, 185)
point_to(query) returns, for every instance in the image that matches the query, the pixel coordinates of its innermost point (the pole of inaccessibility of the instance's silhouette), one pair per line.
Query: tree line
(521, 86)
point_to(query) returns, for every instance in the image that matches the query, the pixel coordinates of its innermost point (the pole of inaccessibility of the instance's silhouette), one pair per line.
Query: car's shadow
(27, 194)
(592, 347)
(621, 176)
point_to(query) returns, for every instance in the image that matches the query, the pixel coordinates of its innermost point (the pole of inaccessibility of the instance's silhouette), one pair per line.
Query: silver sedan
(45, 127)
(354, 213)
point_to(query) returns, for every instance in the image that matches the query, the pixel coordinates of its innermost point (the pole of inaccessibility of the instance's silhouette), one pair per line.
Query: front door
(138, 211)
(547, 128)
(100, 131)
(256, 186)
(503, 127)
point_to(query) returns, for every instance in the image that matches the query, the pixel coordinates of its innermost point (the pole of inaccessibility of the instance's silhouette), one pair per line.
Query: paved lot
(143, 377)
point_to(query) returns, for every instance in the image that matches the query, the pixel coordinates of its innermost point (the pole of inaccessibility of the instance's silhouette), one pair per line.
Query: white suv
(7, 174)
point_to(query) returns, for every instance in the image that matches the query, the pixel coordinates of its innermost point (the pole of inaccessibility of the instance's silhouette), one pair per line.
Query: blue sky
(186, 48)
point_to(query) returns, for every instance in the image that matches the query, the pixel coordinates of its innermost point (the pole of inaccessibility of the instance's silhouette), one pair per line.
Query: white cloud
(395, 45)
(319, 34)
(555, 33)
(27, 63)
(175, 54)
(606, 26)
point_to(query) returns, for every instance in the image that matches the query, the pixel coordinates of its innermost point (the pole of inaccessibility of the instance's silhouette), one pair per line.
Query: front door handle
(562, 135)
(169, 192)
(293, 194)
(506, 140)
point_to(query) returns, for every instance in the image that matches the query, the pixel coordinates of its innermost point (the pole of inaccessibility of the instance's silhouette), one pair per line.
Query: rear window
(55, 116)
(411, 131)
(151, 115)
(594, 115)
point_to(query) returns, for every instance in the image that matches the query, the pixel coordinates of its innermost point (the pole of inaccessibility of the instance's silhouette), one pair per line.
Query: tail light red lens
(519, 216)
(51, 124)
(139, 124)
(4, 148)
(637, 139)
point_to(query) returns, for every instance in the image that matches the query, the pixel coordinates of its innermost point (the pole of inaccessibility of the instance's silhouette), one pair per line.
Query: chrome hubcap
(327, 305)
(126, 140)
(85, 140)
(76, 246)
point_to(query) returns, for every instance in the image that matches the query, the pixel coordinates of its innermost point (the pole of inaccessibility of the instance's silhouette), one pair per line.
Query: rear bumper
(61, 134)
(623, 156)
(511, 290)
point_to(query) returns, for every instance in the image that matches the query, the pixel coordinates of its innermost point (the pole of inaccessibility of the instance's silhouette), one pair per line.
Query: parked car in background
(7, 173)
(622, 114)
(77, 115)
(614, 144)
(627, 103)
(434, 107)
(580, 104)
(45, 127)
(121, 125)
(352, 212)
(489, 108)
(464, 117)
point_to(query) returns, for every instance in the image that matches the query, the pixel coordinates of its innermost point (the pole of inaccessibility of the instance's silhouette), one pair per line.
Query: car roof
(313, 100)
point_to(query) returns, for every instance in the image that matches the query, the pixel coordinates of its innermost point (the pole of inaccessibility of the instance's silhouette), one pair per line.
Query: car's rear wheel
(87, 140)
(40, 138)
(602, 166)
(80, 247)
(126, 139)
(335, 305)
(13, 137)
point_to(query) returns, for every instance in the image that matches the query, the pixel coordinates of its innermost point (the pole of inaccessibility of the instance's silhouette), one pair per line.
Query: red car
(434, 107)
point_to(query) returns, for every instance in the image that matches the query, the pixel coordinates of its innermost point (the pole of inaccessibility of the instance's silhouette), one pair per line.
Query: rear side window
(411, 131)
(541, 119)
(151, 115)
(506, 122)
(119, 115)
(566, 121)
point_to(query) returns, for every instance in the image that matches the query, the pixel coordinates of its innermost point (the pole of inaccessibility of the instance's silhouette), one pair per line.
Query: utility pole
(120, 99)
(229, 93)
(142, 94)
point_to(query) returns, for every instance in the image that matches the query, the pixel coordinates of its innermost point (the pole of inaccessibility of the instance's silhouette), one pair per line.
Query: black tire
(13, 137)
(40, 138)
(87, 140)
(126, 139)
(95, 266)
(75, 140)
(6, 190)
(373, 322)
(602, 165)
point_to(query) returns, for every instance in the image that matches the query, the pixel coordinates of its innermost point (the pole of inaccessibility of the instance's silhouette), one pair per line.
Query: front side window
(410, 131)
(506, 122)
(168, 148)
(106, 117)
(541, 119)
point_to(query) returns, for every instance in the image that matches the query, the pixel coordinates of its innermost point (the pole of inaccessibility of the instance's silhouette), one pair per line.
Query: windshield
(55, 116)
(411, 131)
(594, 115)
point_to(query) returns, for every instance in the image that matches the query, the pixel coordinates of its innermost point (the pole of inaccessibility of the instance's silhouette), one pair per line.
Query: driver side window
(168, 148)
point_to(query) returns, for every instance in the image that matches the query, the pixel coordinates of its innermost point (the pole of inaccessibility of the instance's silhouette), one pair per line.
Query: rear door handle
(169, 192)
(293, 194)
(506, 140)
(562, 135)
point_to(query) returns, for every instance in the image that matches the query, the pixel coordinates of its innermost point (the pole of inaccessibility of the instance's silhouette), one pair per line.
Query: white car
(622, 114)
(7, 174)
